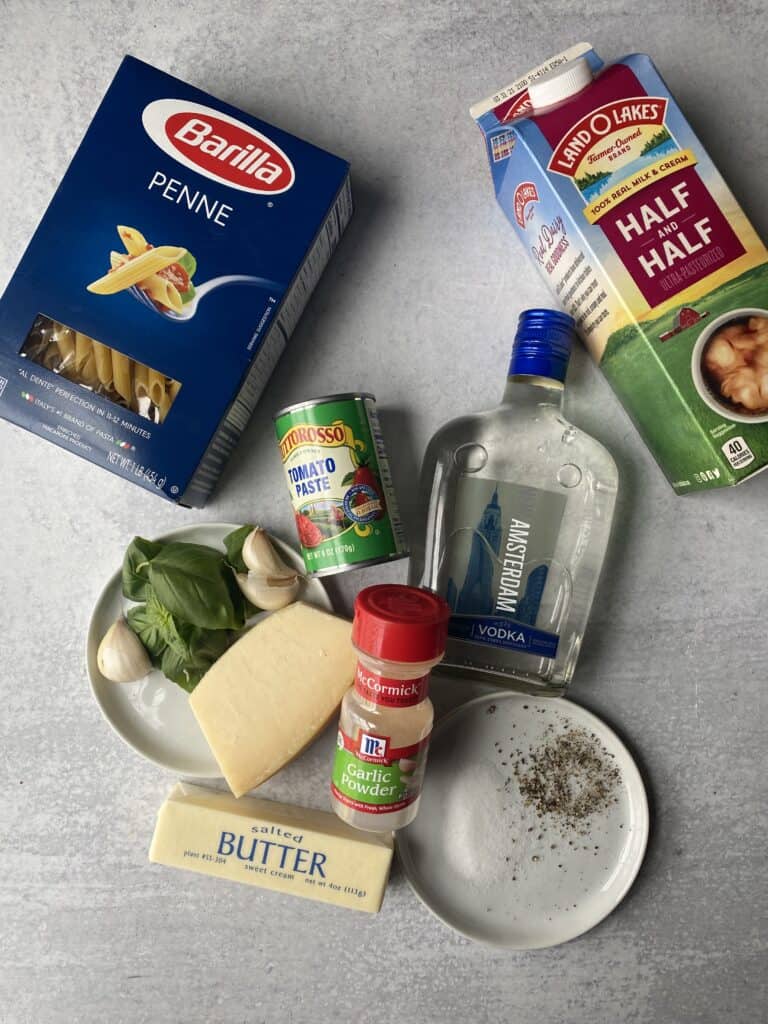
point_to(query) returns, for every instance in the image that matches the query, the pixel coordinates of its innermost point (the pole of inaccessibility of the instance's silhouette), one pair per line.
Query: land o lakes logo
(218, 146)
(525, 194)
(598, 125)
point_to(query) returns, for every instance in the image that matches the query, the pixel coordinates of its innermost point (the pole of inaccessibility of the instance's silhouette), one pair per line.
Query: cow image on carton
(641, 241)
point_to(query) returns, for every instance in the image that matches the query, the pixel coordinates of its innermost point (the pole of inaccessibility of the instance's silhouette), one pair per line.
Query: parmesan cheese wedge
(273, 692)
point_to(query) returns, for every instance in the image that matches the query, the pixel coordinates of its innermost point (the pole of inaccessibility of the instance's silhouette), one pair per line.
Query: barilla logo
(611, 117)
(525, 193)
(218, 146)
(335, 435)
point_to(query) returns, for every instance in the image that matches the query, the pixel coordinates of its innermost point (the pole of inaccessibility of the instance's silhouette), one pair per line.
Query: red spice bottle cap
(399, 623)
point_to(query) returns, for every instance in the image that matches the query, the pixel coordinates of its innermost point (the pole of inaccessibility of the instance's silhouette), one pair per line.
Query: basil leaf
(233, 542)
(205, 646)
(135, 571)
(240, 603)
(170, 630)
(177, 670)
(147, 630)
(157, 629)
(195, 585)
(191, 604)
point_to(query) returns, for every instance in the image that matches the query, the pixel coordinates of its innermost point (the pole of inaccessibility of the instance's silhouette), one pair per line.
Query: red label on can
(338, 474)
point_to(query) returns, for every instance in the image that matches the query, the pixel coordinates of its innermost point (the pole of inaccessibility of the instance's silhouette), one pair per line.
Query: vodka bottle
(518, 506)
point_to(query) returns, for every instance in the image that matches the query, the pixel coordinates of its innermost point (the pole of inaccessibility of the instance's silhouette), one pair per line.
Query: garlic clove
(269, 592)
(260, 556)
(121, 657)
(270, 583)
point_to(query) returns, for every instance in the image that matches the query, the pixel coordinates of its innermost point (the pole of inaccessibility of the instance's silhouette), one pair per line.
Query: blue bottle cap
(542, 344)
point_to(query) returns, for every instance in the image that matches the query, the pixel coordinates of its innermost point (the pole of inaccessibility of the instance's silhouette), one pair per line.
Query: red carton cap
(398, 623)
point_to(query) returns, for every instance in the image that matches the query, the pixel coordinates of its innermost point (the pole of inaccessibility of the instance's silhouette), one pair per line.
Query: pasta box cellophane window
(194, 235)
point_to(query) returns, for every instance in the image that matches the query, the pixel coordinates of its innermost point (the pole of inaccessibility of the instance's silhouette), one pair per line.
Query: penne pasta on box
(136, 269)
(103, 371)
(133, 240)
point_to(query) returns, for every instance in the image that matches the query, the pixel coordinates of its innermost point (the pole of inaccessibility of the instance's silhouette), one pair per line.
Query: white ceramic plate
(493, 869)
(153, 715)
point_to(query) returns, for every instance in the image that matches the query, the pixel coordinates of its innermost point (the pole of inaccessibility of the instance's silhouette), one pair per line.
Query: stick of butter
(275, 846)
(272, 692)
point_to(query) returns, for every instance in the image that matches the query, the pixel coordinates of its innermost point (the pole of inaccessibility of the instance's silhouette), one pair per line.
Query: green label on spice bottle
(371, 775)
(338, 475)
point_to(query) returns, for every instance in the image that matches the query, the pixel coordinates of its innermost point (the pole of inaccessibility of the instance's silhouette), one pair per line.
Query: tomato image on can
(338, 474)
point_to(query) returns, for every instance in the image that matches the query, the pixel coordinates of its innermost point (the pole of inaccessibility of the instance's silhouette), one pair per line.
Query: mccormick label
(194, 235)
(499, 573)
(639, 238)
(372, 775)
(338, 475)
(390, 693)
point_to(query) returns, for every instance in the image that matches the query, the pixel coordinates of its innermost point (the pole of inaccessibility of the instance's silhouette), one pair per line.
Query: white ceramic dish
(719, 405)
(153, 715)
(493, 869)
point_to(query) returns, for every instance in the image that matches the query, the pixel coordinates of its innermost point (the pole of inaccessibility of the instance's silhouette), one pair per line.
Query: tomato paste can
(338, 474)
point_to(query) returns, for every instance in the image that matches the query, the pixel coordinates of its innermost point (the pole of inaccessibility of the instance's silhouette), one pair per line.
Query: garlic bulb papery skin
(260, 556)
(269, 592)
(121, 656)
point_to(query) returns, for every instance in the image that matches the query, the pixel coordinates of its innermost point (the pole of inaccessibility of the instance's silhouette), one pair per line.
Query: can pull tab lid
(559, 84)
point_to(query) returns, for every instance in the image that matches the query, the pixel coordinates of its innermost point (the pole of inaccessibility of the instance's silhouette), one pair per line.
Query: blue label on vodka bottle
(506, 633)
(499, 575)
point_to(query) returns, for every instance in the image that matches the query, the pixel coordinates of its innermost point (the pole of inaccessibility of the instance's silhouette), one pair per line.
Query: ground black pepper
(569, 777)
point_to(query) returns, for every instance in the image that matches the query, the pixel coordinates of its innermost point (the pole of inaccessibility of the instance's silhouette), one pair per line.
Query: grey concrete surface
(418, 306)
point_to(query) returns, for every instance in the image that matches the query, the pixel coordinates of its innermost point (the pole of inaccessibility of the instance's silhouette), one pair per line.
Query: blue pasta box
(195, 234)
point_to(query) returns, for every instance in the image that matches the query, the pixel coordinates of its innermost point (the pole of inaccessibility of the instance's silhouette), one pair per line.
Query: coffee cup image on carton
(729, 365)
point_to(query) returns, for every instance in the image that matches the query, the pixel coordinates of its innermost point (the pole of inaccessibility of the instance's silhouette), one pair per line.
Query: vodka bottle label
(499, 576)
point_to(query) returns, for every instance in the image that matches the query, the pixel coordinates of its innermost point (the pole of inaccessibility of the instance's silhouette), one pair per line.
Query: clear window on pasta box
(100, 369)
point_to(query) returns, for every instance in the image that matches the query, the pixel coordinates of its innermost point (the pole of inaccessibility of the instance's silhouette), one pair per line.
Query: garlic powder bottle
(399, 633)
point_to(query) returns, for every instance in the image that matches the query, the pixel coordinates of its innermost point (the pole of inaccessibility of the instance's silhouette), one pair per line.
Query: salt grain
(483, 829)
